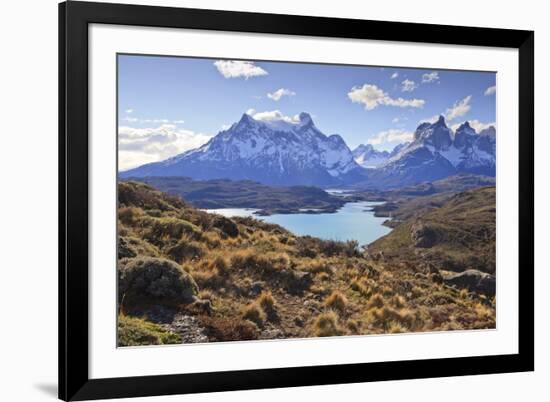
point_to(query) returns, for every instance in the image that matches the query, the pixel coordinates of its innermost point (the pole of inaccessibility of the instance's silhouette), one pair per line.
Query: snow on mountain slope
(436, 152)
(295, 152)
(368, 157)
(279, 152)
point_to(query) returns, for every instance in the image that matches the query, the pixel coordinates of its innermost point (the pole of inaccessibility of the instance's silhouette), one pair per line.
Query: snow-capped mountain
(436, 152)
(281, 152)
(368, 157)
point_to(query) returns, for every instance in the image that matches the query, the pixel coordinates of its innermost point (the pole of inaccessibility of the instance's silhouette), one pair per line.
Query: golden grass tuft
(360, 287)
(212, 239)
(253, 312)
(220, 264)
(376, 301)
(267, 302)
(128, 215)
(354, 326)
(323, 276)
(186, 249)
(385, 317)
(337, 301)
(398, 301)
(463, 294)
(396, 328)
(206, 295)
(326, 324)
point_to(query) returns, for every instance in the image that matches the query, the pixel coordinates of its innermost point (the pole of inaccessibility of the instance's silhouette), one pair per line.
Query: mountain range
(296, 152)
(270, 152)
(435, 153)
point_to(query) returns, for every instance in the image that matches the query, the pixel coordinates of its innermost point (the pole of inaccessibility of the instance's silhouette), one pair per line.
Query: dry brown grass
(267, 303)
(337, 301)
(219, 329)
(326, 324)
(253, 312)
(376, 301)
(343, 292)
(361, 287)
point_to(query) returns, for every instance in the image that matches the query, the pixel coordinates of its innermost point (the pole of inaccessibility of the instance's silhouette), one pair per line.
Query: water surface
(354, 221)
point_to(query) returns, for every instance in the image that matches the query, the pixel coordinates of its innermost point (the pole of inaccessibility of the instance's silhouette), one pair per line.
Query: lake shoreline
(355, 220)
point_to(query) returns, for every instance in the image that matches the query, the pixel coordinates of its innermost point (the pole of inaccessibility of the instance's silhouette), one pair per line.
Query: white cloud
(239, 68)
(272, 115)
(151, 121)
(392, 135)
(394, 76)
(279, 93)
(129, 111)
(430, 77)
(399, 120)
(460, 108)
(476, 125)
(491, 90)
(138, 146)
(431, 120)
(371, 97)
(408, 85)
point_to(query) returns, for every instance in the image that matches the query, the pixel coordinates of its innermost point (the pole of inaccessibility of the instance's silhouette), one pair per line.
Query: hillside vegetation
(452, 232)
(189, 276)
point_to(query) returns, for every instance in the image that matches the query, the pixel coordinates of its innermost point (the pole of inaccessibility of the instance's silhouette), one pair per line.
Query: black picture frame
(74, 18)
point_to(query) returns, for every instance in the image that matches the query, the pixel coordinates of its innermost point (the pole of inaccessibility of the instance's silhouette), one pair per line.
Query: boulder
(423, 235)
(155, 279)
(226, 225)
(473, 280)
(124, 249)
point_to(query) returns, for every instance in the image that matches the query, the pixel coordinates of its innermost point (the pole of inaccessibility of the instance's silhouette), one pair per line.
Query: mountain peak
(245, 121)
(363, 148)
(369, 157)
(441, 120)
(464, 136)
(489, 131)
(436, 134)
(466, 124)
(305, 118)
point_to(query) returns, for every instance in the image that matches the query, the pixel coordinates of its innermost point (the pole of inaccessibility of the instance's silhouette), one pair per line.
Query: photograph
(262, 200)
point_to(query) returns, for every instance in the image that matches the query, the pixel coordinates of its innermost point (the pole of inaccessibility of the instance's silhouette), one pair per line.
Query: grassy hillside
(453, 232)
(212, 194)
(189, 276)
(451, 184)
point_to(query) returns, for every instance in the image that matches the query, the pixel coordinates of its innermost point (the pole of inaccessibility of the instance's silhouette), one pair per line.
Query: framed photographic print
(257, 201)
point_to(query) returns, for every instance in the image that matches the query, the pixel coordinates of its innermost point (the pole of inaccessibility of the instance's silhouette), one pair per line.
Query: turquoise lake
(354, 221)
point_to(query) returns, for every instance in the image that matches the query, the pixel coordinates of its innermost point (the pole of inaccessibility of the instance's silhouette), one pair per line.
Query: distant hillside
(213, 194)
(451, 185)
(453, 232)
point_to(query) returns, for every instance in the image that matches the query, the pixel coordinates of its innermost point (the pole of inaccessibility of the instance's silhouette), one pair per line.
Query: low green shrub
(137, 332)
(149, 279)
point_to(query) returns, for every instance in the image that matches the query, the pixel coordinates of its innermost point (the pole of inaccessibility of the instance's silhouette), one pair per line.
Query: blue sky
(170, 104)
